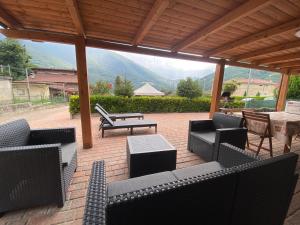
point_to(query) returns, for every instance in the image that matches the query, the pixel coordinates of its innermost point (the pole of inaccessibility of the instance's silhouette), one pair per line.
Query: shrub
(189, 88)
(118, 104)
(123, 87)
(230, 86)
(101, 88)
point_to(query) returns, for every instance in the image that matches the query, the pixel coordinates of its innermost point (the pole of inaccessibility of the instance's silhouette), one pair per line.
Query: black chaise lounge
(36, 166)
(205, 136)
(237, 189)
(122, 116)
(108, 124)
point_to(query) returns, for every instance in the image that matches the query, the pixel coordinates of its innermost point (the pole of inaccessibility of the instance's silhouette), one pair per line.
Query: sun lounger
(122, 116)
(108, 124)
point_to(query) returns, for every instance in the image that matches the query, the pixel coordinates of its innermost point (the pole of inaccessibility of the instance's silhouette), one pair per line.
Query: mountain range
(106, 65)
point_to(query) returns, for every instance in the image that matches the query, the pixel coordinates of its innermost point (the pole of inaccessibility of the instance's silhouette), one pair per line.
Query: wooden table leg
(288, 146)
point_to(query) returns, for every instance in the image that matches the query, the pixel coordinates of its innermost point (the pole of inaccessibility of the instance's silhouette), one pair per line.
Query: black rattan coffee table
(147, 154)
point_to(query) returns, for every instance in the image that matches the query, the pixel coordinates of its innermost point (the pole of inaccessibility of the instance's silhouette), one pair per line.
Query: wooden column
(283, 89)
(217, 88)
(84, 96)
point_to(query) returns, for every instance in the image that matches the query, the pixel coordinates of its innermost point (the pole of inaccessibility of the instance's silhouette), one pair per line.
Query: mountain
(238, 73)
(163, 73)
(102, 64)
(170, 68)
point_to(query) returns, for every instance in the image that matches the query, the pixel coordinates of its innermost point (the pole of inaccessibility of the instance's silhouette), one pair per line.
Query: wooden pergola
(257, 34)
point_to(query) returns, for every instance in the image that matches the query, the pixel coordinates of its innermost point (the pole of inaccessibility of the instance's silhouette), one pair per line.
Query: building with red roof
(254, 87)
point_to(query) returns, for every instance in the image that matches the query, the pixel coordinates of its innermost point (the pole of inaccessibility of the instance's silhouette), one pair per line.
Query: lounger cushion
(15, 133)
(134, 184)
(67, 153)
(207, 136)
(130, 123)
(221, 120)
(198, 170)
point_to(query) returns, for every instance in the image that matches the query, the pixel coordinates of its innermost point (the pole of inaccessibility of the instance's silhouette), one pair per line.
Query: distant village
(42, 83)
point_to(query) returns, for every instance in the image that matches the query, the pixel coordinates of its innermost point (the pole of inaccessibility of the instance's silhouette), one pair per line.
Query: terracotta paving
(173, 126)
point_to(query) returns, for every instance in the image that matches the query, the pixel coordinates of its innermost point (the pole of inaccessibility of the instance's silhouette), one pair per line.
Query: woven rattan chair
(36, 166)
(258, 124)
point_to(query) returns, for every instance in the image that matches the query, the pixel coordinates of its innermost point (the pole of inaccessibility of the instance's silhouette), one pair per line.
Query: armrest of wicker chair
(31, 176)
(198, 125)
(230, 156)
(234, 136)
(51, 136)
(96, 201)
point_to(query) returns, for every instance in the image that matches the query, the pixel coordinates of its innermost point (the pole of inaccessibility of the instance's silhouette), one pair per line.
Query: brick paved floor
(173, 126)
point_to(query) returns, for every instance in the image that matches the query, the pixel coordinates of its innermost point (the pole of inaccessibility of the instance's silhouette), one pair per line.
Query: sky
(175, 63)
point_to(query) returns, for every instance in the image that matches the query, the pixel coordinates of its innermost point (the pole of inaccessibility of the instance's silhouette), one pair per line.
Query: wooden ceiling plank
(8, 20)
(288, 64)
(266, 33)
(279, 58)
(75, 15)
(225, 20)
(259, 52)
(155, 12)
(39, 35)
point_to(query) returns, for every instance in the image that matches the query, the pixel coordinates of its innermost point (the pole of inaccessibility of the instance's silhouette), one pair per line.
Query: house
(148, 90)
(263, 87)
(6, 94)
(35, 91)
(60, 81)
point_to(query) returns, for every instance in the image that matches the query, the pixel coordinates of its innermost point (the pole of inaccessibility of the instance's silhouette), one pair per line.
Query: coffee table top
(148, 143)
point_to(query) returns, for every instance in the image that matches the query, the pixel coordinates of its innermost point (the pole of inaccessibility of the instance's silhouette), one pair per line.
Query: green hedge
(239, 98)
(116, 104)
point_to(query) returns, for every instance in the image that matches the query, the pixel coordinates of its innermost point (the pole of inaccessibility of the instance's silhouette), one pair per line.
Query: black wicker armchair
(36, 166)
(205, 136)
(239, 188)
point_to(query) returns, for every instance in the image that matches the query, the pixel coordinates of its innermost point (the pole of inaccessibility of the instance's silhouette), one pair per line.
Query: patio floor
(173, 126)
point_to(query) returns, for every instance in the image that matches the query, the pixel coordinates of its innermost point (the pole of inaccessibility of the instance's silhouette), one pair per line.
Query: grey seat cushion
(134, 184)
(198, 170)
(67, 152)
(221, 120)
(207, 136)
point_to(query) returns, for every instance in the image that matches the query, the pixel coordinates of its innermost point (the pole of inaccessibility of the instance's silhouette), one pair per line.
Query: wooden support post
(283, 89)
(84, 97)
(217, 88)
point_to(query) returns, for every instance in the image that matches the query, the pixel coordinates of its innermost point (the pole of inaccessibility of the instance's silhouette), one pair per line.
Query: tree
(189, 88)
(245, 94)
(258, 94)
(14, 54)
(101, 88)
(123, 87)
(230, 86)
(294, 88)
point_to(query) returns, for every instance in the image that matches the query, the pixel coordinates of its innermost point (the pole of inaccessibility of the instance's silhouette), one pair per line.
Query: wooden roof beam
(8, 20)
(260, 52)
(288, 64)
(162, 53)
(266, 33)
(241, 11)
(155, 12)
(272, 60)
(97, 43)
(39, 36)
(75, 15)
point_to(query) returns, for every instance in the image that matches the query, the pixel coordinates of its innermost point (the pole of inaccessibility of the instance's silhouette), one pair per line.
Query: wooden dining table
(283, 127)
